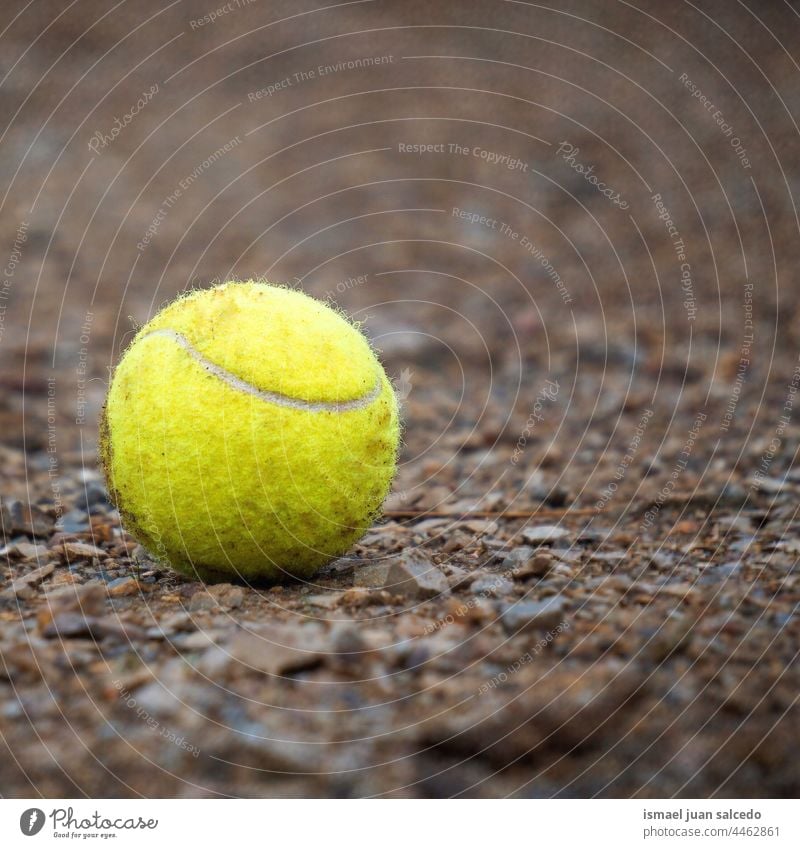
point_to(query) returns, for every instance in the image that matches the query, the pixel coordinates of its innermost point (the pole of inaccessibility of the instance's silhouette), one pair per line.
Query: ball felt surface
(249, 430)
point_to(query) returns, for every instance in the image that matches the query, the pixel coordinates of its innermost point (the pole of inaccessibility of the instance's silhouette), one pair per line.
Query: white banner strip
(401, 823)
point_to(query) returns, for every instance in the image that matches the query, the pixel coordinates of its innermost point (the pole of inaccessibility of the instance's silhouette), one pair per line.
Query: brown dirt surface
(583, 285)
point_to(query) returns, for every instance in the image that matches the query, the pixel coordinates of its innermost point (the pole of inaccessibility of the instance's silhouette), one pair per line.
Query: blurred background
(571, 231)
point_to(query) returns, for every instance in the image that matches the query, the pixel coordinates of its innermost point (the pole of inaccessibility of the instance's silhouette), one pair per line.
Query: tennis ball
(250, 431)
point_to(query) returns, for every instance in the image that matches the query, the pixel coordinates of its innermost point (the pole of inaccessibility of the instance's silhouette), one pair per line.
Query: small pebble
(81, 550)
(19, 517)
(414, 575)
(544, 535)
(491, 585)
(123, 586)
(75, 521)
(528, 615)
(202, 600)
(23, 586)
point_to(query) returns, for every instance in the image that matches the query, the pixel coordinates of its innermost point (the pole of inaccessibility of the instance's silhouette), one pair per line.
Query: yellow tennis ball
(249, 430)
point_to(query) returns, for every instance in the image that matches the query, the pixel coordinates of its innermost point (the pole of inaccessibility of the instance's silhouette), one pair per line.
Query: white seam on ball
(270, 397)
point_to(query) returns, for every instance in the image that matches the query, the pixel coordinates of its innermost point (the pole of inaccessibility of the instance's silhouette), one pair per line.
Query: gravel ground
(585, 582)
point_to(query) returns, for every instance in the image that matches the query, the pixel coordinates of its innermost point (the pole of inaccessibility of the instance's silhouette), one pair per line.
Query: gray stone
(544, 534)
(68, 625)
(82, 550)
(26, 550)
(75, 521)
(412, 574)
(276, 649)
(18, 517)
(530, 615)
(372, 576)
(525, 561)
(202, 600)
(21, 586)
(325, 600)
(457, 577)
(89, 599)
(491, 585)
(517, 557)
(227, 595)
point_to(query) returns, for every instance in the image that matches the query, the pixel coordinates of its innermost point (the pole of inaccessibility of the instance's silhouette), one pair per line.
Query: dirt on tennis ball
(249, 432)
